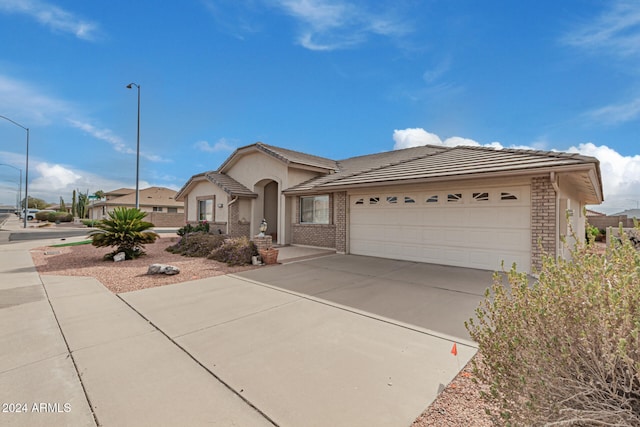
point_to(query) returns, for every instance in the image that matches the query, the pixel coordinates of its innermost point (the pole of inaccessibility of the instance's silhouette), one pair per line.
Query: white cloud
(620, 174)
(53, 17)
(616, 31)
(617, 113)
(433, 74)
(333, 24)
(116, 142)
(415, 137)
(29, 104)
(52, 181)
(102, 134)
(221, 145)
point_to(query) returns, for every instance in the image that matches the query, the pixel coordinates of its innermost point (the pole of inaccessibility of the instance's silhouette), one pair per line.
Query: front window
(205, 210)
(314, 210)
(157, 208)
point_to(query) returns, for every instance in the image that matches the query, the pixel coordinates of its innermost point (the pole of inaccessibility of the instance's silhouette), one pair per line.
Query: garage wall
(470, 225)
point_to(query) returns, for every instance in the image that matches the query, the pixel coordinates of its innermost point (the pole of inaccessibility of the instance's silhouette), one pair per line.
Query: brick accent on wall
(236, 227)
(164, 219)
(322, 235)
(543, 220)
(340, 205)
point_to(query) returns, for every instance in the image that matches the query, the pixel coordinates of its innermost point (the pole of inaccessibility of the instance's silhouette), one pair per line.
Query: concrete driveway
(435, 297)
(333, 341)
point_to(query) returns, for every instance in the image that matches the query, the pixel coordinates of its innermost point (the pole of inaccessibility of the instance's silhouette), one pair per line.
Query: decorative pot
(269, 256)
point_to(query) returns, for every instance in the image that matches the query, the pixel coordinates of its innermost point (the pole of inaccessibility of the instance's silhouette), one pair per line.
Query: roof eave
(457, 177)
(183, 191)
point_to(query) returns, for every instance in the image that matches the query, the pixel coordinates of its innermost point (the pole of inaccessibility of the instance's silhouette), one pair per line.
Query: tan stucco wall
(206, 189)
(571, 219)
(255, 167)
(297, 176)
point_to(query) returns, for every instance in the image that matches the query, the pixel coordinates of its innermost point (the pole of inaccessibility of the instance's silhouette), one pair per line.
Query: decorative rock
(120, 256)
(163, 269)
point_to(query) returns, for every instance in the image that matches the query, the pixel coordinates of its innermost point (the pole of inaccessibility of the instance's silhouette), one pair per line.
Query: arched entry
(267, 206)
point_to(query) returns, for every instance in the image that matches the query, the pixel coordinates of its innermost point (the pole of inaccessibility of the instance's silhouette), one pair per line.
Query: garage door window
(508, 196)
(481, 197)
(392, 199)
(314, 210)
(432, 199)
(454, 198)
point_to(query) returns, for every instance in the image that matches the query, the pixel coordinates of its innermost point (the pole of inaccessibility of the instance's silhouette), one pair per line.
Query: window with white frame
(157, 208)
(205, 210)
(314, 210)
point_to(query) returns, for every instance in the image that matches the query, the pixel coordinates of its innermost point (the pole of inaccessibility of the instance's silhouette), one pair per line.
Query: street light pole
(129, 86)
(26, 172)
(19, 184)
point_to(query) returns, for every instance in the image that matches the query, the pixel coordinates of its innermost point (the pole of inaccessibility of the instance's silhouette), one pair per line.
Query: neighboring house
(595, 214)
(462, 206)
(160, 203)
(7, 209)
(626, 219)
(630, 213)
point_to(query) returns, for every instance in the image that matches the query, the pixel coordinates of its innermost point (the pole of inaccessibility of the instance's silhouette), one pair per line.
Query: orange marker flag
(454, 349)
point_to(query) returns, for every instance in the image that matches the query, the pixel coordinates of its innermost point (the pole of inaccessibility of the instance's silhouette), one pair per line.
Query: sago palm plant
(126, 230)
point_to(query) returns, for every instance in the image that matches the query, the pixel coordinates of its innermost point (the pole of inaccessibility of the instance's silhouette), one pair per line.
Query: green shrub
(203, 226)
(237, 251)
(564, 350)
(592, 232)
(90, 222)
(59, 217)
(43, 215)
(126, 230)
(52, 216)
(197, 244)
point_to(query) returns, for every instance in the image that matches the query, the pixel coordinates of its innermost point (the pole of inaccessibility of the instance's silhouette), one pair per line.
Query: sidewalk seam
(73, 360)
(244, 399)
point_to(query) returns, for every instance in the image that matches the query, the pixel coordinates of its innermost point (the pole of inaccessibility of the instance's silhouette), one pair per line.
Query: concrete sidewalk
(224, 351)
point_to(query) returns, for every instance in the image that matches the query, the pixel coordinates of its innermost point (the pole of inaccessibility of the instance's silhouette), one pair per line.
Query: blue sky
(334, 78)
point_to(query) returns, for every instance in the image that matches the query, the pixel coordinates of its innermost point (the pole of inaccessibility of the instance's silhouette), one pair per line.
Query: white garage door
(477, 228)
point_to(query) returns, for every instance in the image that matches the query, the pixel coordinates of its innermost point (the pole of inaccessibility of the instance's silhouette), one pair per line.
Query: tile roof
(431, 162)
(229, 185)
(291, 156)
(355, 165)
(152, 196)
(282, 154)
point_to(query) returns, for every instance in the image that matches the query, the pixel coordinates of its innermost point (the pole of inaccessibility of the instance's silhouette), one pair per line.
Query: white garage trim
(468, 227)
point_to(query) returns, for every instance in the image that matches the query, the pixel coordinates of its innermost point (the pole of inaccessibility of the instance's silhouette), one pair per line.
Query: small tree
(126, 230)
(565, 350)
(63, 207)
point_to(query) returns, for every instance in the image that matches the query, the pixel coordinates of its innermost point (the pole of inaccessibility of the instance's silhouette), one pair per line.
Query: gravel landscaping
(130, 275)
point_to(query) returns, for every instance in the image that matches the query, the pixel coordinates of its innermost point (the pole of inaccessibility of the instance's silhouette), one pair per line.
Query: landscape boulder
(163, 269)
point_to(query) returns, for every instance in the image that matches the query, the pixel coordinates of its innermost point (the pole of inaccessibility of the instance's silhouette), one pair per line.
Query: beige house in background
(159, 202)
(463, 206)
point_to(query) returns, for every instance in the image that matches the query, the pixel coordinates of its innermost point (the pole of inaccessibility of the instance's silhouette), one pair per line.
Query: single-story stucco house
(462, 206)
(160, 204)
